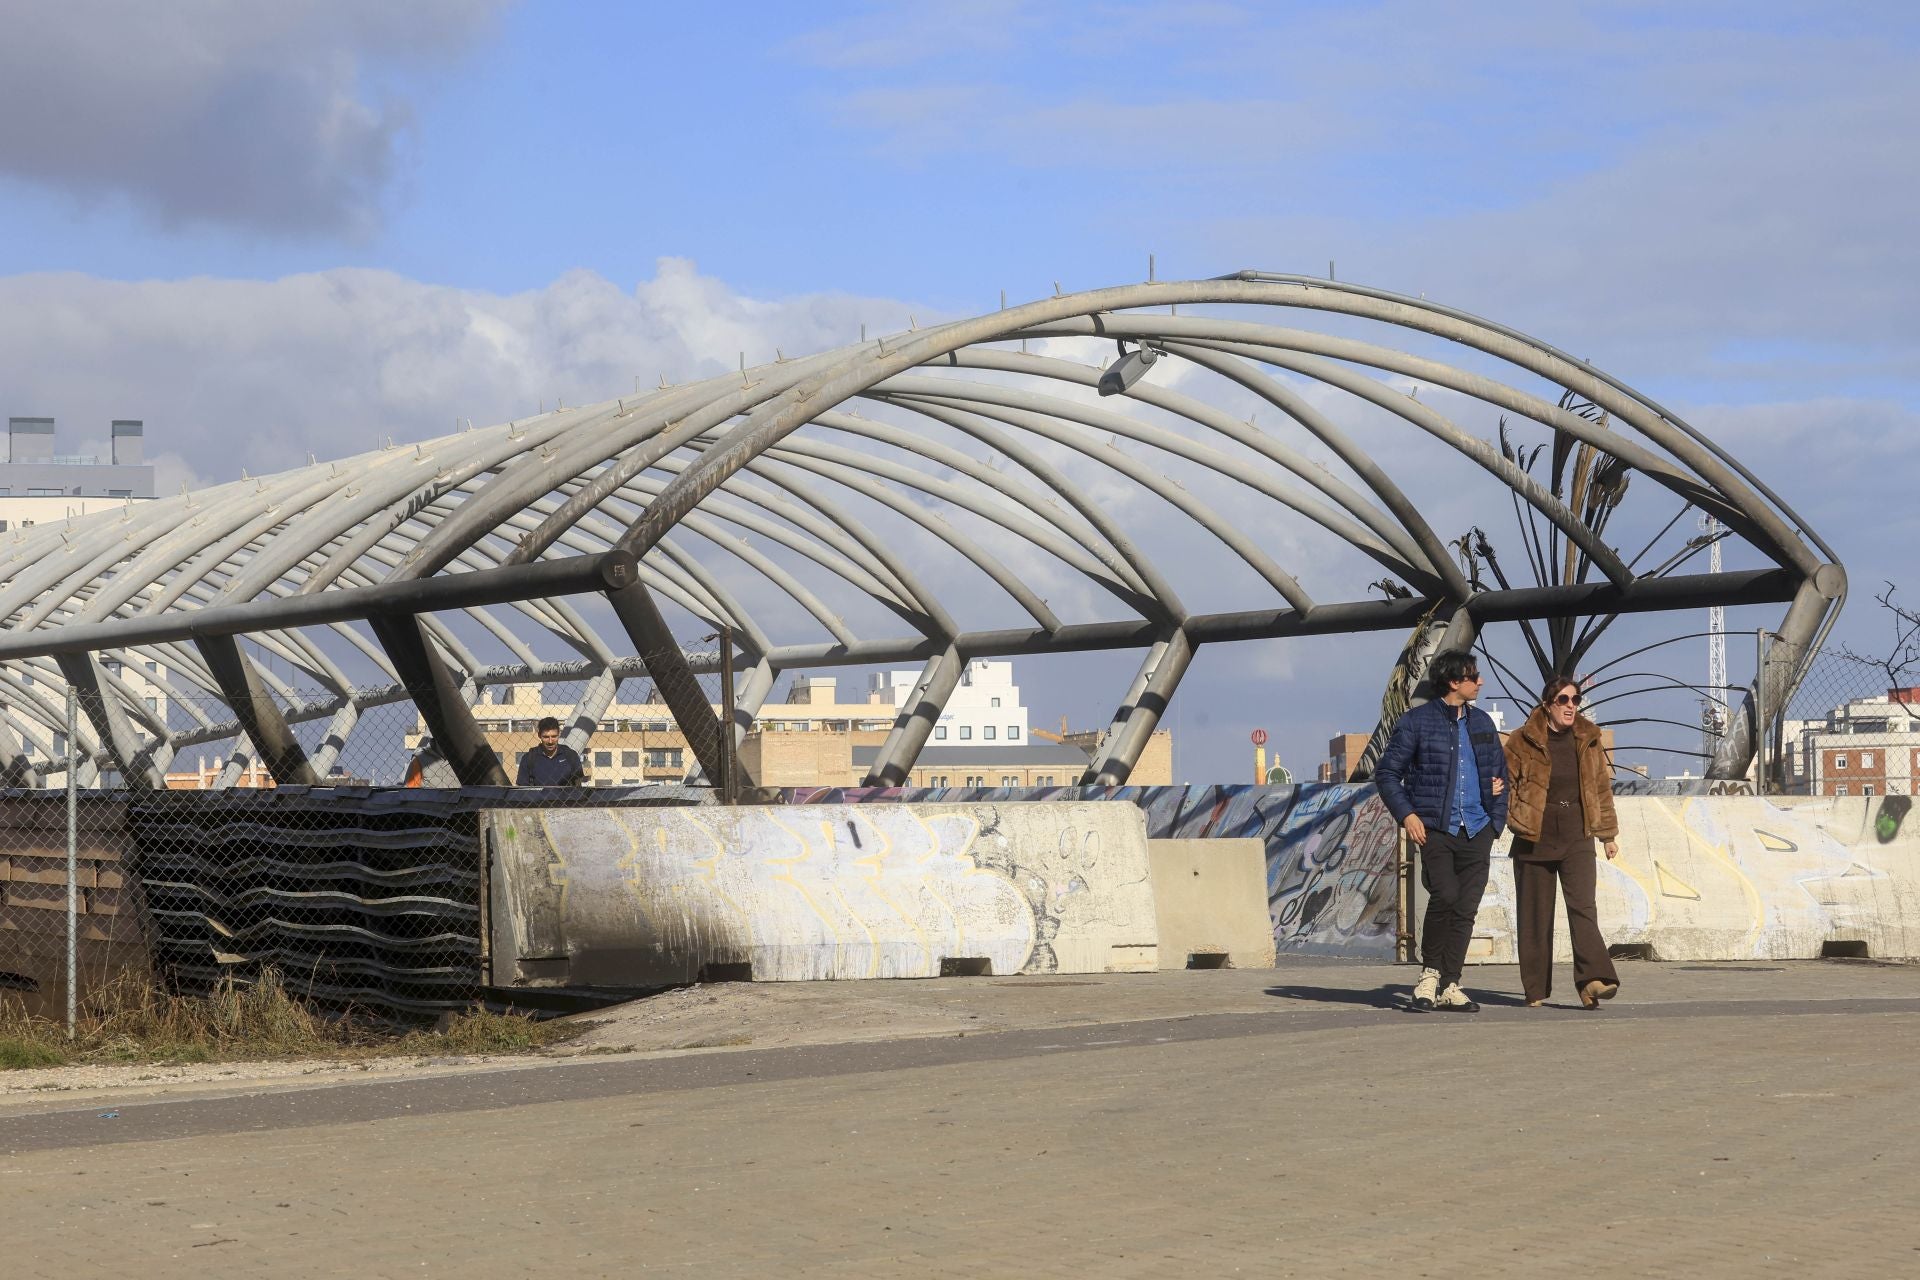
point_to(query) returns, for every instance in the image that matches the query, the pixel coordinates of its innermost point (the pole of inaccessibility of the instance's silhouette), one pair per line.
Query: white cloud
(257, 374)
(262, 116)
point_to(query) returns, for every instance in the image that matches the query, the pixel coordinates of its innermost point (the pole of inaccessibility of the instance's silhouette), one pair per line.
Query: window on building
(603, 759)
(996, 702)
(1840, 760)
(966, 733)
(1867, 790)
(975, 780)
(986, 732)
(1013, 733)
(59, 744)
(1840, 790)
(629, 759)
(119, 493)
(939, 733)
(1008, 780)
(111, 666)
(153, 668)
(1866, 759)
(657, 726)
(153, 703)
(1044, 780)
(665, 757)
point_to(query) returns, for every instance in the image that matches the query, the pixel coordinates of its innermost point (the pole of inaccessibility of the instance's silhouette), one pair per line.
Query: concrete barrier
(639, 898)
(1744, 878)
(1210, 897)
(1331, 849)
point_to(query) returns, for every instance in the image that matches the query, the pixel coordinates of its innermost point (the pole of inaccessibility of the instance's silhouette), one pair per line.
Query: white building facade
(985, 708)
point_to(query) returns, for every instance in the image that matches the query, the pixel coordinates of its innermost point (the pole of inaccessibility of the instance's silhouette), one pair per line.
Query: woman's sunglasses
(1567, 700)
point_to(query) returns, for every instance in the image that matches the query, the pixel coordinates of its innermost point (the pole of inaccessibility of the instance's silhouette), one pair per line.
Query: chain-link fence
(177, 858)
(1851, 729)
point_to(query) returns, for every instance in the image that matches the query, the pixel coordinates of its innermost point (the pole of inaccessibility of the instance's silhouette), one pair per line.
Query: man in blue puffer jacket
(1443, 777)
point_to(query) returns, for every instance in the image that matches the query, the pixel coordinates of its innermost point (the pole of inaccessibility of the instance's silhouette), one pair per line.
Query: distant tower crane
(1713, 707)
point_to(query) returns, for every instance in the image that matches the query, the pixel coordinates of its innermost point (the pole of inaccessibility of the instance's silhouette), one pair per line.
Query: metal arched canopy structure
(944, 484)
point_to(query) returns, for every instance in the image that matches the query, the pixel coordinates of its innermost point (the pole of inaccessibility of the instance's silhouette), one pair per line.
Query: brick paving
(1703, 1131)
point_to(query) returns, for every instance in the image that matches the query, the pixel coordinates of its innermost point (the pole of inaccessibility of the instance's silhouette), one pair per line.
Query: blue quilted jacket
(1415, 773)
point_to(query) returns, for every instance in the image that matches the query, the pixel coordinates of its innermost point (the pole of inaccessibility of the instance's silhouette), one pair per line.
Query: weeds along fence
(188, 864)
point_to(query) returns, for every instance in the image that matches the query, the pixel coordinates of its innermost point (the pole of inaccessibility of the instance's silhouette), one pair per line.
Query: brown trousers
(1533, 891)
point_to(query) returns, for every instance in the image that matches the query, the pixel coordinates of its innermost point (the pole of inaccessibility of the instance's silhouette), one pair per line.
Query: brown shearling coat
(1528, 764)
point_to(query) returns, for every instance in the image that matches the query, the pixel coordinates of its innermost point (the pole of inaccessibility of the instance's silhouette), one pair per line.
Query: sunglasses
(1567, 700)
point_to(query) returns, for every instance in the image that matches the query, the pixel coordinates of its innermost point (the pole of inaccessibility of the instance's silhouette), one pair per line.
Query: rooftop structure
(1028, 481)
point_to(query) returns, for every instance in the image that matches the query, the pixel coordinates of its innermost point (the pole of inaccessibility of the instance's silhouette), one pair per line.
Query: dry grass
(258, 1021)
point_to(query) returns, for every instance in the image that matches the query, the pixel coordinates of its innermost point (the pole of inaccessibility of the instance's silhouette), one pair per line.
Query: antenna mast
(1713, 707)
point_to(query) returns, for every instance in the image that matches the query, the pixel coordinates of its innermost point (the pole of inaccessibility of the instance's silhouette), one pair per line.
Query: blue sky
(1712, 200)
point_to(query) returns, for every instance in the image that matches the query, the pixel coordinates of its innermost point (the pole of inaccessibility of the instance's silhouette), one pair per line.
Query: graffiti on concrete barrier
(1742, 877)
(830, 891)
(1331, 849)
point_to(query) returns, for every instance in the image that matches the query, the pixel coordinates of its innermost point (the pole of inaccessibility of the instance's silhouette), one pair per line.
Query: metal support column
(110, 723)
(914, 724)
(729, 782)
(16, 770)
(1457, 633)
(253, 706)
(456, 734)
(1135, 690)
(1786, 661)
(1459, 636)
(338, 730)
(1121, 749)
(667, 666)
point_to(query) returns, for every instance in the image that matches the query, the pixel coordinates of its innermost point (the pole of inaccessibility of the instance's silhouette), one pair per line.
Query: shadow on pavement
(1388, 995)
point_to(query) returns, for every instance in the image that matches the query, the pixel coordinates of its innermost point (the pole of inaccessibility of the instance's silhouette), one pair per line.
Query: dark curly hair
(1447, 668)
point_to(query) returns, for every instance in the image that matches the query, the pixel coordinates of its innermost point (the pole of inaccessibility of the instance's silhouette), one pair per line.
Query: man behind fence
(1443, 777)
(552, 763)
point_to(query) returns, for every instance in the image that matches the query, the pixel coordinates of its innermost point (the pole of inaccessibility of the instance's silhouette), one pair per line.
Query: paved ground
(1729, 1119)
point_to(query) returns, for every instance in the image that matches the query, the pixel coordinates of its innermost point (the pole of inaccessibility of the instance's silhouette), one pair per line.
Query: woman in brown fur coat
(1562, 800)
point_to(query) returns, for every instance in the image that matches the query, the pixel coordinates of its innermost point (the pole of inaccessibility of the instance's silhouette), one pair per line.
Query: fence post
(1760, 734)
(727, 791)
(73, 858)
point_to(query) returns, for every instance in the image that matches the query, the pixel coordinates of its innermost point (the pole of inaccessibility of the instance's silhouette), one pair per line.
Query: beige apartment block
(812, 739)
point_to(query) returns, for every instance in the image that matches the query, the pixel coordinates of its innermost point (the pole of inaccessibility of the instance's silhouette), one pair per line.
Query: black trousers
(1454, 870)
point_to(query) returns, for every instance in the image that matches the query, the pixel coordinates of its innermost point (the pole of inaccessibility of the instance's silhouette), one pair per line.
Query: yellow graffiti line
(709, 869)
(806, 851)
(557, 871)
(873, 943)
(1671, 885)
(933, 845)
(876, 861)
(882, 847)
(1754, 903)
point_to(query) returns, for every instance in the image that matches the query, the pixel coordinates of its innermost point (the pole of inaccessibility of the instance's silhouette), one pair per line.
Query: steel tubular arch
(994, 456)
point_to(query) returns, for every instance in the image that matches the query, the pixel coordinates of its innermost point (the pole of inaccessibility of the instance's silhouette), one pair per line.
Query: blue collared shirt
(1469, 815)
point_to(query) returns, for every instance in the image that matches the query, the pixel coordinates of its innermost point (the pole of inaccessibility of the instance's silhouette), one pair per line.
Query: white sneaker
(1426, 989)
(1454, 1000)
